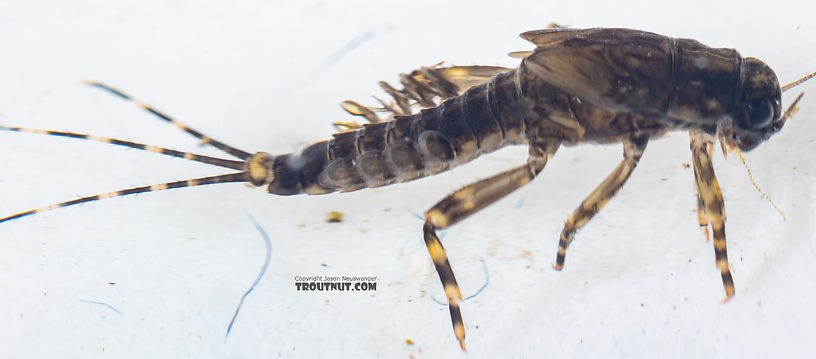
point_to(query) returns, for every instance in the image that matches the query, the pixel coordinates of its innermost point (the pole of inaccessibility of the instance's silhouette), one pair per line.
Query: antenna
(798, 82)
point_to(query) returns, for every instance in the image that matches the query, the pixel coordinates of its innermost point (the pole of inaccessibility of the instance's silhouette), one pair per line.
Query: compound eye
(760, 113)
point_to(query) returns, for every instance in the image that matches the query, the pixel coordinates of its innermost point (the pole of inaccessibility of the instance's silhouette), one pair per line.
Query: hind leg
(462, 204)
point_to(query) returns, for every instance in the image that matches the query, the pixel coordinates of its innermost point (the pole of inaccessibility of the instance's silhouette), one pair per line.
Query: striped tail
(204, 138)
(225, 178)
(242, 165)
(238, 165)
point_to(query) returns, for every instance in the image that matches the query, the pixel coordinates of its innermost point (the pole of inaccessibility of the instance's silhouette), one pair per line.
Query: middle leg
(632, 150)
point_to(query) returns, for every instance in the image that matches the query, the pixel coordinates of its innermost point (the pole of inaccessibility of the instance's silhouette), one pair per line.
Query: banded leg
(463, 203)
(711, 199)
(632, 150)
(702, 218)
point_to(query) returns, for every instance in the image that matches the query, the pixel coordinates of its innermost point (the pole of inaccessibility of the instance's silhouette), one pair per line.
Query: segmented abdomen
(483, 119)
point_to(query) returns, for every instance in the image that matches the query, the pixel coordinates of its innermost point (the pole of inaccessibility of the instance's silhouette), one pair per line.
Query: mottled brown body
(578, 86)
(597, 85)
(484, 118)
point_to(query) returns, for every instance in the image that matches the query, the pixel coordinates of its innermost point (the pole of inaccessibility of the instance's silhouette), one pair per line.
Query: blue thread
(347, 48)
(260, 275)
(520, 202)
(487, 281)
(102, 304)
(330, 60)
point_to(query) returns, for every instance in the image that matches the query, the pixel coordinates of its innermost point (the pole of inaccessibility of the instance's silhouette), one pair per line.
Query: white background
(639, 281)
